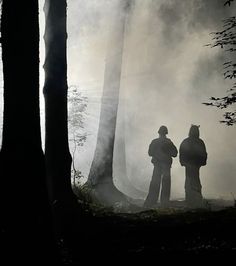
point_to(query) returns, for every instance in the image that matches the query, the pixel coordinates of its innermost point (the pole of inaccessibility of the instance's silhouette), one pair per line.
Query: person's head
(194, 131)
(163, 131)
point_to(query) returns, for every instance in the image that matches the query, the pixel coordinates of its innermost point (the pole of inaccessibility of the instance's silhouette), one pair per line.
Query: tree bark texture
(58, 158)
(101, 168)
(25, 211)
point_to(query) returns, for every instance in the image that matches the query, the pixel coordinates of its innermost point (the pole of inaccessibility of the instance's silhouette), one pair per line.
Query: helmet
(163, 130)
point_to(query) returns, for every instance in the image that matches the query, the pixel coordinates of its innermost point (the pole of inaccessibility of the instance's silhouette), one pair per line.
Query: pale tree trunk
(101, 172)
(26, 221)
(122, 181)
(121, 178)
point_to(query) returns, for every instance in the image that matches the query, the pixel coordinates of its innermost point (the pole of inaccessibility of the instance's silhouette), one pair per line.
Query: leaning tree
(101, 172)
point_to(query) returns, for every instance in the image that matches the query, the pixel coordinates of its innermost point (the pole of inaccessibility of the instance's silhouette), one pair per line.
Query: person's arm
(203, 153)
(182, 154)
(151, 149)
(174, 150)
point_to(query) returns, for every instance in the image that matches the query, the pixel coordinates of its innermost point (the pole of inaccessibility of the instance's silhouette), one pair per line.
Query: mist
(167, 73)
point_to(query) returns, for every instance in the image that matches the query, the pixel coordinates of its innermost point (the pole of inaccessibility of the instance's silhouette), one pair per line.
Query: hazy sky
(167, 73)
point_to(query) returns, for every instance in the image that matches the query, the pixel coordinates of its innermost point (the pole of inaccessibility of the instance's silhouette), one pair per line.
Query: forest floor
(137, 232)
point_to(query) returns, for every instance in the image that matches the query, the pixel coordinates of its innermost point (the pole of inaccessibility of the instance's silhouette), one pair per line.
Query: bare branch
(228, 2)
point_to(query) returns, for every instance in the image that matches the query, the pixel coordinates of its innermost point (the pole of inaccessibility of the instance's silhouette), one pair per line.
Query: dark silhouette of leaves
(226, 39)
(228, 2)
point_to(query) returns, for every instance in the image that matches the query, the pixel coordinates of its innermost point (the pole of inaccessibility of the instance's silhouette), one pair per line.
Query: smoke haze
(167, 73)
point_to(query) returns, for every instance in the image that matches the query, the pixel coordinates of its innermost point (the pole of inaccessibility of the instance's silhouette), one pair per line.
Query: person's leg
(166, 185)
(187, 185)
(193, 186)
(154, 187)
(196, 186)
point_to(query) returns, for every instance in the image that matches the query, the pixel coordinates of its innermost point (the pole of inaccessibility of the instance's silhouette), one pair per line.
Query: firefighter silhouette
(161, 150)
(193, 155)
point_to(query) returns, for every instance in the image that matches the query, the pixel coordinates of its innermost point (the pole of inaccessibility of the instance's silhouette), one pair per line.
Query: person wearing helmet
(161, 150)
(193, 155)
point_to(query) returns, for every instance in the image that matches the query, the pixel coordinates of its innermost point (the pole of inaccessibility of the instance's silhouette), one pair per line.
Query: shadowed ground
(148, 233)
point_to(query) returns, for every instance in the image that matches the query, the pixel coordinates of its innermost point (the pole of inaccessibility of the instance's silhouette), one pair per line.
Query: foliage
(77, 104)
(226, 39)
(88, 202)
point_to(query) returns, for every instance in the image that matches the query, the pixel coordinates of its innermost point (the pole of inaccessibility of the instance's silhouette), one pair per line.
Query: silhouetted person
(162, 150)
(193, 155)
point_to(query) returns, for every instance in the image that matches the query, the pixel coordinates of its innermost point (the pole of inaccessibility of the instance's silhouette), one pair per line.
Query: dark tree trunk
(26, 227)
(101, 172)
(58, 158)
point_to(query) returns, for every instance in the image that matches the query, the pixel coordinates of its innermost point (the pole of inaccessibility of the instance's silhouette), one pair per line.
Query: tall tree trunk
(26, 227)
(101, 172)
(57, 155)
(121, 179)
(58, 158)
(121, 176)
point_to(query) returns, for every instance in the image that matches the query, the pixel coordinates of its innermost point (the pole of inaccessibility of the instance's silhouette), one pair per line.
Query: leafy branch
(226, 39)
(77, 105)
(228, 2)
